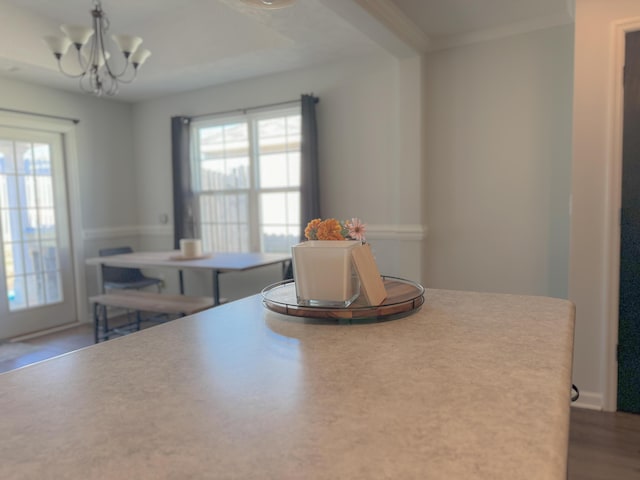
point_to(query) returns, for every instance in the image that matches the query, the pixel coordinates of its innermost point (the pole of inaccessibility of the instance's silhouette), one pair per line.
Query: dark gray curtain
(309, 181)
(183, 220)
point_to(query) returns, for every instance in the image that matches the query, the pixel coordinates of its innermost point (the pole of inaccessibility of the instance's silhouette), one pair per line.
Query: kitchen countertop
(472, 386)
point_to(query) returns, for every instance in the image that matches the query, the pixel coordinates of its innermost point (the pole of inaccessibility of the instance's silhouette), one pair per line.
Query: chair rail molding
(413, 232)
(125, 231)
(396, 232)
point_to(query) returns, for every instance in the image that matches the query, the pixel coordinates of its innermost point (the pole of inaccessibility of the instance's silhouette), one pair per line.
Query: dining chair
(126, 278)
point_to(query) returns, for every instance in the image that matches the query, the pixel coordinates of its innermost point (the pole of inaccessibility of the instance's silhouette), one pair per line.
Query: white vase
(324, 274)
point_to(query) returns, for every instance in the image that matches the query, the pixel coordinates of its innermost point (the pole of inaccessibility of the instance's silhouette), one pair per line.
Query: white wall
(105, 164)
(594, 214)
(497, 178)
(369, 147)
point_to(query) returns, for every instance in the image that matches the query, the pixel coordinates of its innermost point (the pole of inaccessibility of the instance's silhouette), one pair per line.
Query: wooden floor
(602, 445)
(52, 345)
(61, 342)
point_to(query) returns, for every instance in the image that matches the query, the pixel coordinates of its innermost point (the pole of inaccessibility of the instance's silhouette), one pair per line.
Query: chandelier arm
(116, 75)
(66, 74)
(86, 85)
(129, 80)
(84, 63)
(113, 88)
(109, 85)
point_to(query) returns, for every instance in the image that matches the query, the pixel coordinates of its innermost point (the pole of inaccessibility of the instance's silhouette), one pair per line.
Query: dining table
(468, 385)
(215, 262)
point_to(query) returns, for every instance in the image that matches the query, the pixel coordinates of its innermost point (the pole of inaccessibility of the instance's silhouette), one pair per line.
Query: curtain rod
(23, 112)
(245, 110)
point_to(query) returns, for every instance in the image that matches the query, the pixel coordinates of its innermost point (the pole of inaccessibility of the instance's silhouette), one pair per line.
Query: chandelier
(99, 74)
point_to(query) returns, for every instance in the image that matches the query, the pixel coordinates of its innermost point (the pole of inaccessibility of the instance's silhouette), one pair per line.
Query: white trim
(381, 232)
(396, 232)
(517, 28)
(589, 401)
(75, 218)
(383, 22)
(392, 17)
(615, 100)
(48, 331)
(156, 230)
(126, 231)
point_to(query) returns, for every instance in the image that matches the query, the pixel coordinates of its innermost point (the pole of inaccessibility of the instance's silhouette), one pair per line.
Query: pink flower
(356, 229)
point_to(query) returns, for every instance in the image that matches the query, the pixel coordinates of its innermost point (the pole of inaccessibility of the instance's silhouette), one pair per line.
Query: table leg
(216, 288)
(287, 271)
(100, 322)
(99, 277)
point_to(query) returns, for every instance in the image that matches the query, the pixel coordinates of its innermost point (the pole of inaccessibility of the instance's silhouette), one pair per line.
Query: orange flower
(330, 229)
(311, 232)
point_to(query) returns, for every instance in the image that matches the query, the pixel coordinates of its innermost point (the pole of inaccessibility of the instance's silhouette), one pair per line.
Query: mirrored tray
(403, 298)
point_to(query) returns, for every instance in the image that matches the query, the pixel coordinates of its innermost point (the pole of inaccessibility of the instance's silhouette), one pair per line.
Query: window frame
(251, 119)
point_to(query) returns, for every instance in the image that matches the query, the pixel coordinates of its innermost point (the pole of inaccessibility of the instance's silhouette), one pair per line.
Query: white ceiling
(196, 43)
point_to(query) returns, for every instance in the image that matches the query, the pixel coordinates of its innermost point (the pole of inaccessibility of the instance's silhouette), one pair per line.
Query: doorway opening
(628, 349)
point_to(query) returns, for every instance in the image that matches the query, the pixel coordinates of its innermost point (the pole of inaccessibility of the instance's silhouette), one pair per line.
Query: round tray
(403, 298)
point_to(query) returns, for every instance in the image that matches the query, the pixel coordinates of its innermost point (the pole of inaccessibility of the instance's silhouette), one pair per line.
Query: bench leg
(100, 322)
(96, 322)
(216, 288)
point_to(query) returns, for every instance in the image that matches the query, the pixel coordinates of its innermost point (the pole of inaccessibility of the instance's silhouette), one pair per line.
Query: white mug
(191, 247)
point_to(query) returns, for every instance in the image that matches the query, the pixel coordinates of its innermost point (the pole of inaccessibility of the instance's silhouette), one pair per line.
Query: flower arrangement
(332, 229)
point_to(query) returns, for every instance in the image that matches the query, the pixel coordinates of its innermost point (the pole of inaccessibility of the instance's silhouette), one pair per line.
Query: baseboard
(589, 401)
(48, 331)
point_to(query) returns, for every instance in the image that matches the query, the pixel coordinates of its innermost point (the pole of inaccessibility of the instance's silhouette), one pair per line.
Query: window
(245, 177)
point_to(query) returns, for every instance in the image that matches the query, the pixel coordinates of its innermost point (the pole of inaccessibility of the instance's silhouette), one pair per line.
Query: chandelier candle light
(98, 75)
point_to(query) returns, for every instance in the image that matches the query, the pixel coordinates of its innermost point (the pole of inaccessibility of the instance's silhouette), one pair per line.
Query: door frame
(67, 130)
(613, 205)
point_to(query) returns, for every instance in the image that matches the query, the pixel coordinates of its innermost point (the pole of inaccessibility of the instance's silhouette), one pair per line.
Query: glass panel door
(36, 280)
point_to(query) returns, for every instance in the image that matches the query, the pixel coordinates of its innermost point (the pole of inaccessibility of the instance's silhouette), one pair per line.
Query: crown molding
(384, 23)
(517, 28)
(392, 17)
